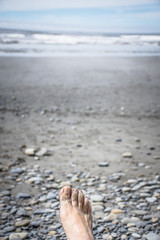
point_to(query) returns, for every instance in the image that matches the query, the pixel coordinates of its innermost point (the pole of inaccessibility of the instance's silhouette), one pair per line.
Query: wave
(75, 39)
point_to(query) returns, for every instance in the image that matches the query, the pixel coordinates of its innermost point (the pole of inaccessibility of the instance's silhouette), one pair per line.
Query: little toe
(65, 193)
(74, 197)
(80, 200)
(86, 206)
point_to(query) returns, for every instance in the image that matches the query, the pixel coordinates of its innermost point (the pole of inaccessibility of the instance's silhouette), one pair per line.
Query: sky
(108, 16)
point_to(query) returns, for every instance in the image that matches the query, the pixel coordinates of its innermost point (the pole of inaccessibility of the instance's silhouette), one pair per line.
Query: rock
(116, 211)
(43, 152)
(51, 233)
(136, 235)
(22, 212)
(30, 151)
(126, 189)
(151, 199)
(34, 179)
(103, 164)
(54, 205)
(127, 155)
(127, 220)
(97, 207)
(22, 223)
(138, 186)
(17, 170)
(8, 229)
(152, 236)
(110, 217)
(97, 198)
(123, 236)
(14, 236)
(100, 229)
(34, 224)
(98, 215)
(118, 140)
(51, 195)
(23, 195)
(140, 212)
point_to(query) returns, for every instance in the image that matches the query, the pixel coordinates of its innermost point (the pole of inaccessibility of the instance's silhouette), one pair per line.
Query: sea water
(27, 43)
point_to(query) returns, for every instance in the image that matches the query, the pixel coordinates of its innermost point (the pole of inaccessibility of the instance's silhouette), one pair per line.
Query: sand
(85, 111)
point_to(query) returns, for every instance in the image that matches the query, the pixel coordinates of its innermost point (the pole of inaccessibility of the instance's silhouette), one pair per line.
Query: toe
(65, 193)
(86, 205)
(80, 200)
(74, 197)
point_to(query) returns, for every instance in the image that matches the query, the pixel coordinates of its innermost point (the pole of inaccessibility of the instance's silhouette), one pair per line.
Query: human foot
(75, 214)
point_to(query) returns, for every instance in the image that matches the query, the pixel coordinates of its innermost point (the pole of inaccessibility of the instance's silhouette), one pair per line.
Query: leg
(75, 214)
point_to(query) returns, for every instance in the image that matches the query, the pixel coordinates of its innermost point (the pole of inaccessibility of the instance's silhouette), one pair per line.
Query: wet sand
(83, 110)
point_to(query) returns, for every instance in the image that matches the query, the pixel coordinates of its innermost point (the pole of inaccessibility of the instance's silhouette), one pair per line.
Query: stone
(8, 229)
(97, 198)
(151, 199)
(123, 237)
(30, 151)
(43, 152)
(14, 236)
(110, 217)
(127, 155)
(51, 233)
(17, 170)
(22, 212)
(138, 186)
(152, 236)
(103, 164)
(51, 195)
(35, 224)
(98, 215)
(140, 212)
(23, 195)
(97, 207)
(127, 220)
(100, 229)
(34, 179)
(136, 235)
(22, 223)
(117, 211)
(126, 189)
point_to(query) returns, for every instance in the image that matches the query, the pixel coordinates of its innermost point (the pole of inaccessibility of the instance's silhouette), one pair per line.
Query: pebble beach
(91, 123)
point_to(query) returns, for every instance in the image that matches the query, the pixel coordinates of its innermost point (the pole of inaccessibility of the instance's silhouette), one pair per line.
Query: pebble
(43, 152)
(22, 223)
(23, 195)
(152, 236)
(30, 151)
(103, 164)
(97, 198)
(18, 236)
(8, 229)
(120, 211)
(127, 220)
(110, 217)
(117, 211)
(17, 170)
(151, 199)
(127, 155)
(136, 235)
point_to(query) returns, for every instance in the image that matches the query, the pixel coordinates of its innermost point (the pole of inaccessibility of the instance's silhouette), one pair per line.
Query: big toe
(65, 193)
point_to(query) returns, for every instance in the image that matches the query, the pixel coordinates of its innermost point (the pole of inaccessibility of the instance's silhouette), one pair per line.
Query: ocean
(30, 43)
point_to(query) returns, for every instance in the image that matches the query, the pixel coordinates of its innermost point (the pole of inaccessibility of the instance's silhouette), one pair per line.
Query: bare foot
(75, 214)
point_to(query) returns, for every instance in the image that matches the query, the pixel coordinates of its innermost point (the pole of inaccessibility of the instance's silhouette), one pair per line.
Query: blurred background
(83, 28)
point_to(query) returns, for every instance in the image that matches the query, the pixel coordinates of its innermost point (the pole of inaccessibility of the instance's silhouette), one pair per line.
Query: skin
(75, 214)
